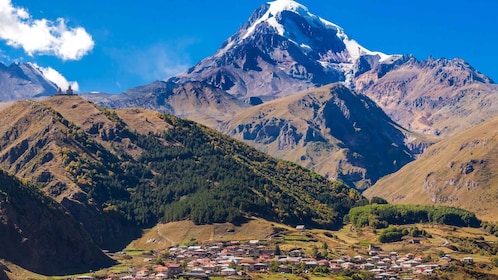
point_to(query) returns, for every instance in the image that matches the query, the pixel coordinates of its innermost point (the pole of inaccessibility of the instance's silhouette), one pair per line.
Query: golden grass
(180, 233)
(438, 176)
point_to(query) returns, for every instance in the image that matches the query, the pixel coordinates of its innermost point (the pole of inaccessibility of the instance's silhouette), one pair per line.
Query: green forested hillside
(192, 172)
(116, 171)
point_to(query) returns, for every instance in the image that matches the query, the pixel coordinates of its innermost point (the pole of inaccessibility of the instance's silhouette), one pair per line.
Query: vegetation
(383, 215)
(394, 234)
(192, 172)
(490, 227)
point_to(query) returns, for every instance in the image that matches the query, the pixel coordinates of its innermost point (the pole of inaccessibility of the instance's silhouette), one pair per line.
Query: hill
(39, 235)
(332, 130)
(120, 171)
(458, 171)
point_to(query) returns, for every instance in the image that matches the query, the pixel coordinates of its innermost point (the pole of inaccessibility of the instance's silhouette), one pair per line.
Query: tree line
(383, 215)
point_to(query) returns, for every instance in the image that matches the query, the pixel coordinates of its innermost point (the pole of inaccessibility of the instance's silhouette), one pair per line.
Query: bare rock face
(331, 130)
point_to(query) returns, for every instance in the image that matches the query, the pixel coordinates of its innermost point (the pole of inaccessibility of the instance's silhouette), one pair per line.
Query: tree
(232, 265)
(495, 261)
(378, 200)
(277, 251)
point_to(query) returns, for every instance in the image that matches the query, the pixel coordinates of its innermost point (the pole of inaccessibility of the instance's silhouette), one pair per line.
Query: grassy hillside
(184, 232)
(116, 171)
(459, 171)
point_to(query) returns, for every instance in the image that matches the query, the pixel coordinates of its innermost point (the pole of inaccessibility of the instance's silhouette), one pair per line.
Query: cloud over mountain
(42, 36)
(56, 77)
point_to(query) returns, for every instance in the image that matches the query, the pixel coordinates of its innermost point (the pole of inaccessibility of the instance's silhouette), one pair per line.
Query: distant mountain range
(436, 97)
(285, 50)
(23, 80)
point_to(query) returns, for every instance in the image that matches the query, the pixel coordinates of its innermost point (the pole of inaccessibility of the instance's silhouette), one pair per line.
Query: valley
(291, 152)
(265, 250)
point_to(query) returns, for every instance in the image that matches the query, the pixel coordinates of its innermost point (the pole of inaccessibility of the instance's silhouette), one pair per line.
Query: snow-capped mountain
(282, 49)
(24, 80)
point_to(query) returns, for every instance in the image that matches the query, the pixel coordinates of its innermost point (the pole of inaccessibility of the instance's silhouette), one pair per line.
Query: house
(410, 264)
(311, 264)
(174, 269)
(428, 272)
(367, 266)
(284, 269)
(467, 260)
(358, 259)
(300, 227)
(228, 272)
(261, 267)
(295, 253)
(348, 265)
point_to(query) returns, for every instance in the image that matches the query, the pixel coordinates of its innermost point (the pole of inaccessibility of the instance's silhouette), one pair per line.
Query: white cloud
(56, 77)
(154, 62)
(42, 36)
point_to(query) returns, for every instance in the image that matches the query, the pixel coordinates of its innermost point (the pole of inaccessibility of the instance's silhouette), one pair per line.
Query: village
(243, 260)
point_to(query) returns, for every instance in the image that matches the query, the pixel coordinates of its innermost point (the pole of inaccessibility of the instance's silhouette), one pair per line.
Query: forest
(193, 172)
(382, 215)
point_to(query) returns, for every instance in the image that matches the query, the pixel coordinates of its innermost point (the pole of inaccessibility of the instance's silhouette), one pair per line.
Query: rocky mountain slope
(193, 100)
(331, 130)
(434, 96)
(458, 171)
(119, 171)
(23, 80)
(282, 49)
(38, 234)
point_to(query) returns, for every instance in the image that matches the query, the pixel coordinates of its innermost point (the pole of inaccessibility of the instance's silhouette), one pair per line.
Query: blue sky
(110, 46)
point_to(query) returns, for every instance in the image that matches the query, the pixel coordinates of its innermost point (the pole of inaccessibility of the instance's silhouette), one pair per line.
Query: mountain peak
(295, 22)
(283, 48)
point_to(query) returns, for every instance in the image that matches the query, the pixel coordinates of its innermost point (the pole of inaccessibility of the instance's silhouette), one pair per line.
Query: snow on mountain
(354, 49)
(282, 49)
